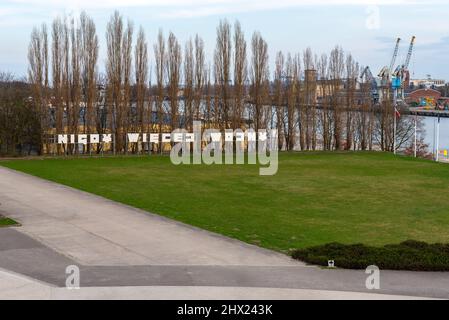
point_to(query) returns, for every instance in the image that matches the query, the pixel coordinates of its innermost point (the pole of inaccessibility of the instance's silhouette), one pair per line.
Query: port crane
(385, 72)
(402, 74)
(368, 78)
(409, 54)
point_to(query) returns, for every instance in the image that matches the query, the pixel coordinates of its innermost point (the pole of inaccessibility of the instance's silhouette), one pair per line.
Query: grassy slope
(315, 198)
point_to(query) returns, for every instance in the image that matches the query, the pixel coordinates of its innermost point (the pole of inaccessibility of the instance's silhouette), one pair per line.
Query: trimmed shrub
(408, 255)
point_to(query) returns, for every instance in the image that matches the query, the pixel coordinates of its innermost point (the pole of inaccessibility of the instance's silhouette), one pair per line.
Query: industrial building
(427, 83)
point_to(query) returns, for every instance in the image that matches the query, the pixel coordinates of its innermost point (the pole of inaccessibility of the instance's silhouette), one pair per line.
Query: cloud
(175, 9)
(198, 8)
(167, 3)
(440, 44)
(438, 48)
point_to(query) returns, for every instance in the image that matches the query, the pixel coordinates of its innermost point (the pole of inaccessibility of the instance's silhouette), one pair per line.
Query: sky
(367, 29)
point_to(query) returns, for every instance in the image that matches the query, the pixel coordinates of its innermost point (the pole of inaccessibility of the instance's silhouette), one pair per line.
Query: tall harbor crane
(367, 78)
(385, 72)
(409, 54)
(395, 55)
(402, 74)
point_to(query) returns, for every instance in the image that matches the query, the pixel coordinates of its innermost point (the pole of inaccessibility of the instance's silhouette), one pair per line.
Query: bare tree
(38, 77)
(259, 76)
(189, 78)
(89, 59)
(207, 113)
(240, 75)
(75, 83)
(222, 61)
(279, 97)
(308, 123)
(114, 38)
(291, 99)
(141, 68)
(324, 94)
(362, 118)
(126, 109)
(57, 73)
(352, 72)
(294, 100)
(173, 67)
(159, 55)
(66, 73)
(118, 69)
(200, 75)
(336, 69)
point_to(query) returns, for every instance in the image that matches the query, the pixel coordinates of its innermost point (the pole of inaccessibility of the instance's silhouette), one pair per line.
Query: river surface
(430, 137)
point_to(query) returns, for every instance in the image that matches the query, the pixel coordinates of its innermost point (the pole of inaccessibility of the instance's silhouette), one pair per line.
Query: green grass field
(6, 222)
(315, 198)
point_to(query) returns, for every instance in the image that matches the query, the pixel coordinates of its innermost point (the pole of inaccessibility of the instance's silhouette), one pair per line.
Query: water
(430, 126)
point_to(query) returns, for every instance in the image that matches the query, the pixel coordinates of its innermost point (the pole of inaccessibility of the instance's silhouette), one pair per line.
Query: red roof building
(424, 97)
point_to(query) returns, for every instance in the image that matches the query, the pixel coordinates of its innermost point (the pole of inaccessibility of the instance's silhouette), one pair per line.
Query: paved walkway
(18, 287)
(128, 250)
(95, 231)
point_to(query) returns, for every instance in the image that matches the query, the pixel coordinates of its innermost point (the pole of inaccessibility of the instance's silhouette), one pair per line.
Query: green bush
(408, 255)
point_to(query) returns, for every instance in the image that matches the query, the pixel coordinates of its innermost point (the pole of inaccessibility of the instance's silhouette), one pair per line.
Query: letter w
(133, 137)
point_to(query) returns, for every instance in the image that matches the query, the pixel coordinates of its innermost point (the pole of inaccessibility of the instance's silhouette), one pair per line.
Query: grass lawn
(315, 198)
(6, 222)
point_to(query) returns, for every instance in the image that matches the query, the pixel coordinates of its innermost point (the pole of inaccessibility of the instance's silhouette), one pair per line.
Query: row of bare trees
(315, 102)
(71, 57)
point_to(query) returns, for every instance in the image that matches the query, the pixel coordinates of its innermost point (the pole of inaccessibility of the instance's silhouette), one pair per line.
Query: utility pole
(438, 140)
(416, 120)
(394, 130)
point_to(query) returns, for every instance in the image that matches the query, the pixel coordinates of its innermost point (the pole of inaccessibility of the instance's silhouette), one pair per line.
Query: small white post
(438, 140)
(394, 131)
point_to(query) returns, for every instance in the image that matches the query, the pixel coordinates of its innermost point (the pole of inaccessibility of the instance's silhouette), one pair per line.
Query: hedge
(408, 255)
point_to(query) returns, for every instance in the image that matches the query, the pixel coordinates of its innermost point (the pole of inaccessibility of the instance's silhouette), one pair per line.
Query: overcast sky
(366, 28)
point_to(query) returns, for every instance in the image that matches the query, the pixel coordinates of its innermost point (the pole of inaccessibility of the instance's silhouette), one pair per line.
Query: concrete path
(95, 231)
(18, 287)
(24, 255)
(124, 252)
